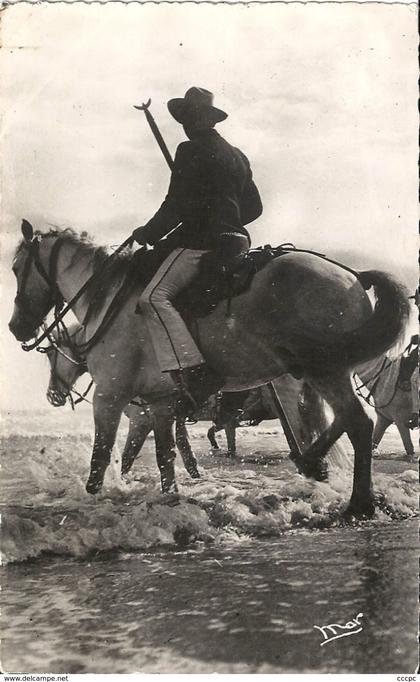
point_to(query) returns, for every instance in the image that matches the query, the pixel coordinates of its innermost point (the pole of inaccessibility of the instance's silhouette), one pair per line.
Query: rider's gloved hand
(139, 236)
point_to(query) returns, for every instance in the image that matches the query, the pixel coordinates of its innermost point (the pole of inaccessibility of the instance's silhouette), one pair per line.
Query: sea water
(232, 576)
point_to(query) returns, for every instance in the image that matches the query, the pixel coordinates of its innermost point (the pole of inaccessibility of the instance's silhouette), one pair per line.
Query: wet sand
(249, 608)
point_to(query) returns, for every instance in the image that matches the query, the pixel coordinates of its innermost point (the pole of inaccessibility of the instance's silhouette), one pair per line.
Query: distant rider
(409, 377)
(212, 195)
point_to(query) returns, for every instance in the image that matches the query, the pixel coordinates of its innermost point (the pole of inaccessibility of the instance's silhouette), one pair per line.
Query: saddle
(215, 282)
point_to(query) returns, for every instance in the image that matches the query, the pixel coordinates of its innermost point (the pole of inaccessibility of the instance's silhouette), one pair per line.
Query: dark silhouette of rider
(211, 198)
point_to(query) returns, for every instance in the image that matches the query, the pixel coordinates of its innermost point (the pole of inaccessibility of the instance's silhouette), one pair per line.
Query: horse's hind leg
(404, 432)
(212, 437)
(381, 426)
(139, 429)
(185, 450)
(359, 430)
(317, 435)
(107, 415)
(163, 421)
(230, 431)
(338, 392)
(312, 462)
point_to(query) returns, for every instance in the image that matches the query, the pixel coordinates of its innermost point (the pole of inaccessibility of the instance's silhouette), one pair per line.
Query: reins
(375, 379)
(61, 312)
(80, 361)
(81, 396)
(368, 397)
(376, 376)
(110, 313)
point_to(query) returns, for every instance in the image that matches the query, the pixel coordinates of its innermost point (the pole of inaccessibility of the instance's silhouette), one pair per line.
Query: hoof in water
(171, 499)
(169, 488)
(128, 478)
(93, 487)
(316, 469)
(360, 511)
(194, 473)
(219, 452)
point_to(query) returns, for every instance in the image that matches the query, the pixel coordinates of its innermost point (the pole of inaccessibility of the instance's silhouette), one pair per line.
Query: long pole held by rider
(293, 441)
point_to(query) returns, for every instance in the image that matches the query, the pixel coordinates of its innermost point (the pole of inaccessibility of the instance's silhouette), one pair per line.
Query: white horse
(301, 313)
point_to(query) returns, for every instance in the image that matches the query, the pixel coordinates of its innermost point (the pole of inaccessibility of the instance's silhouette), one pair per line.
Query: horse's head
(36, 289)
(66, 366)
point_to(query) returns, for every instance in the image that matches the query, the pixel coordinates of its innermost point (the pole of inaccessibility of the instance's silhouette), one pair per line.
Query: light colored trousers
(174, 346)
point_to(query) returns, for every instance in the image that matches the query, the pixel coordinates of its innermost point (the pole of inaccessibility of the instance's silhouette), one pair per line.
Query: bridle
(49, 276)
(67, 338)
(78, 360)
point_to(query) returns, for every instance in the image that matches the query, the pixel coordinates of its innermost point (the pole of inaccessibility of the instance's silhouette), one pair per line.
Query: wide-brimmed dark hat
(196, 103)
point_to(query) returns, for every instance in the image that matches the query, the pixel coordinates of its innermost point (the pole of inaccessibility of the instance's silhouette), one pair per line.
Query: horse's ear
(27, 231)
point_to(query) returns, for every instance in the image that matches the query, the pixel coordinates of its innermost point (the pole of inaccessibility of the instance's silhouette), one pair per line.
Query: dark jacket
(211, 192)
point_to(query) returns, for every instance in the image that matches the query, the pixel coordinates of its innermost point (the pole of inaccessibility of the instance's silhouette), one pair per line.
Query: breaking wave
(48, 510)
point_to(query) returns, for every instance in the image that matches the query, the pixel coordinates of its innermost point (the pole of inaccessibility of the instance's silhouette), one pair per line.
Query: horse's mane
(84, 245)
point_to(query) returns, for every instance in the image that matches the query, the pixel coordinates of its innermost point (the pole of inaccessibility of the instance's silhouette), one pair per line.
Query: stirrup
(184, 409)
(186, 405)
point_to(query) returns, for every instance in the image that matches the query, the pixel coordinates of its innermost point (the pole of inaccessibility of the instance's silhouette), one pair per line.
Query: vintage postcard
(209, 337)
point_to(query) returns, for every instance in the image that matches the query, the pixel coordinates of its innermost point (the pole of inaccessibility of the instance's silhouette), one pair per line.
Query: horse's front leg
(139, 429)
(163, 421)
(211, 435)
(184, 447)
(107, 414)
(230, 431)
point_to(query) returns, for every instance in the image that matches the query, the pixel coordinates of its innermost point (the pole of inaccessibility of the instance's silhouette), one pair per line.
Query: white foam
(50, 511)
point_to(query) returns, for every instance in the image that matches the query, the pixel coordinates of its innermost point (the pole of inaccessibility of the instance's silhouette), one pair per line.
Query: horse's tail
(388, 324)
(386, 327)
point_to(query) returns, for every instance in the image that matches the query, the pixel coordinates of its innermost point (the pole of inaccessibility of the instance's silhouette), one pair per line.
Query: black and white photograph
(209, 343)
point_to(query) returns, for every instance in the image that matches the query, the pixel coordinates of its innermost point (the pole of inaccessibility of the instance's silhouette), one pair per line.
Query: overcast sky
(321, 98)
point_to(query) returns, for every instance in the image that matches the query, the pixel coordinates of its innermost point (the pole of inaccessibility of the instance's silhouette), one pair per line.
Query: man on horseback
(408, 379)
(211, 197)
